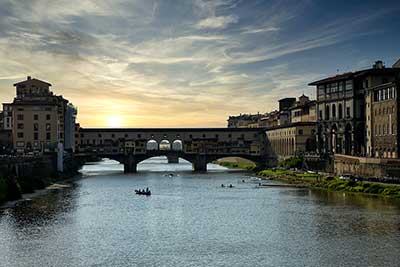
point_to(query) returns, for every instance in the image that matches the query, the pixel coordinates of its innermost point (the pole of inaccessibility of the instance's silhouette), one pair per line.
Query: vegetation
(238, 165)
(293, 162)
(330, 183)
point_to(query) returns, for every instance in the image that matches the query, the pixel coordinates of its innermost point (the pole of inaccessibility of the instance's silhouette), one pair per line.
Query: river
(190, 220)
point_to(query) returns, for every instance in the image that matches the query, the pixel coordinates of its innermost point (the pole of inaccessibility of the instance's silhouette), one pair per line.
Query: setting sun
(114, 121)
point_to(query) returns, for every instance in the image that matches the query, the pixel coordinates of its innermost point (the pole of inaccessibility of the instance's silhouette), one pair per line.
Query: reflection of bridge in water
(199, 146)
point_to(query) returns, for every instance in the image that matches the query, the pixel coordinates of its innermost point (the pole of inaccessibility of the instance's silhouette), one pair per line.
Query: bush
(293, 162)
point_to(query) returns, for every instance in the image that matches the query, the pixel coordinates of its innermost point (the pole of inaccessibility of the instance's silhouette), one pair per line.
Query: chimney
(29, 77)
(378, 65)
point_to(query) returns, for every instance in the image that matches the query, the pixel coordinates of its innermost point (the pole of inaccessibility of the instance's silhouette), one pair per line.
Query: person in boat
(147, 190)
(230, 186)
(222, 185)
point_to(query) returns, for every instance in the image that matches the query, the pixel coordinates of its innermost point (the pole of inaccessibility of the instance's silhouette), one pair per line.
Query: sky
(188, 63)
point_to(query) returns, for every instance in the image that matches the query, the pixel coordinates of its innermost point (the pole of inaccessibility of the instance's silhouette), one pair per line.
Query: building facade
(38, 117)
(70, 124)
(293, 139)
(341, 112)
(382, 109)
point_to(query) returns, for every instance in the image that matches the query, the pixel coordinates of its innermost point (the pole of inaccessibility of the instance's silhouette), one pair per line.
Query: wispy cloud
(220, 22)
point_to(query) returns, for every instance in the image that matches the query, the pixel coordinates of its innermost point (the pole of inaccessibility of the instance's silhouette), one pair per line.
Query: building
(293, 139)
(244, 121)
(291, 130)
(382, 120)
(303, 110)
(7, 117)
(70, 124)
(37, 117)
(341, 109)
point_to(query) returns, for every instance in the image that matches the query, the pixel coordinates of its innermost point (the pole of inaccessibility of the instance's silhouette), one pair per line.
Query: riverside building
(39, 117)
(341, 109)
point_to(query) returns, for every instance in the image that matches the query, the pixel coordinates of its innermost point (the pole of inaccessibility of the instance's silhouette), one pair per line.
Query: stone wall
(25, 175)
(372, 167)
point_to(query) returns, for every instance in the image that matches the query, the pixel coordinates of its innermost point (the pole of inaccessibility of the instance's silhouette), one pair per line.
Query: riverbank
(314, 180)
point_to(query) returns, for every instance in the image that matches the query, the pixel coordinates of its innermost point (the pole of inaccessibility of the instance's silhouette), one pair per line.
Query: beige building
(303, 110)
(292, 139)
(38, 117)
(382, 121)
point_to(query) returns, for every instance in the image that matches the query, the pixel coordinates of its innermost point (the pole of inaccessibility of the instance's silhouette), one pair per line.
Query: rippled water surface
(191, 221)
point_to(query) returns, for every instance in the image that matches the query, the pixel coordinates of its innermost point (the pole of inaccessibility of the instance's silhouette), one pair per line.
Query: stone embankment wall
(372, 167)
(27, 174)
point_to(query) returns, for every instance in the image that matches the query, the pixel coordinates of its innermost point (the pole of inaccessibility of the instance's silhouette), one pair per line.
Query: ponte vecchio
(199, 146)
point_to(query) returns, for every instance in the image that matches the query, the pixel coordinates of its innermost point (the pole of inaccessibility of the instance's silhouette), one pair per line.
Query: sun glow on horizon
(114, 121)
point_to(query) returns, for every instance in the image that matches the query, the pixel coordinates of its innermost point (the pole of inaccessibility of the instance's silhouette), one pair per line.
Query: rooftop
(377, 69)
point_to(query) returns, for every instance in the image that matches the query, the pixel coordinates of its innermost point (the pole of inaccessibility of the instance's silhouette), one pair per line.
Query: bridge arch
(152, 145)
(177, 145)
(165, 145)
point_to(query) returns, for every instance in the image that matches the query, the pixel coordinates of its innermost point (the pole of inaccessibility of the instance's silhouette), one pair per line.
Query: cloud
(220, 22)
(181, 63)
(259, 30)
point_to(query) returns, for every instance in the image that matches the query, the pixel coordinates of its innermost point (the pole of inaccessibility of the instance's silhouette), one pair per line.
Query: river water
(190, 220)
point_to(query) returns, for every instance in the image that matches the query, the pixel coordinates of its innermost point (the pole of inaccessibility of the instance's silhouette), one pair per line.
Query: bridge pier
(200, 164)
(130, 165)
(173, 159)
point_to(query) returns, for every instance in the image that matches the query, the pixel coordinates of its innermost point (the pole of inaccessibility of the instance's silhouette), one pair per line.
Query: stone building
(382, 120)
(295, 133)
(244, 121)
(38, 117)
(303, 110)
(292, 139)
(341, 126)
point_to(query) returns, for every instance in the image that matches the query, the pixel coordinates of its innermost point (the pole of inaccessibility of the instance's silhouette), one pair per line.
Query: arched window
(152, 145)
(327, 112)
(333, 111)
(177, 145)
(340, 111)
(165, 145)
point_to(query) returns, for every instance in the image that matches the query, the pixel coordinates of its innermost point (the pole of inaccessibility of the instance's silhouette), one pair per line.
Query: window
(48, 136)
(334, 111)
(327, 113)
(320, 114)
(349, 85)
(300, 132)
(340, 111)
(35, 136)
(35, 117)
(20, 117)
(365, 83)
(48, 127)
(20, 126)
(48, 117)
(20, 135)
(348, 112)
(113, 136)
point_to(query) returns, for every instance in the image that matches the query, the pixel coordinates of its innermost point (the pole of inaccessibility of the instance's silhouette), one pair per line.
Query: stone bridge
(199, 146)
